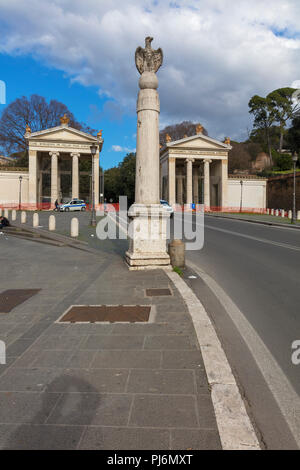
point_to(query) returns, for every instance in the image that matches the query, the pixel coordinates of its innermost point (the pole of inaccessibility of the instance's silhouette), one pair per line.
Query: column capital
(54, 154)
(190, 160)
(75, 154)
(207, 160)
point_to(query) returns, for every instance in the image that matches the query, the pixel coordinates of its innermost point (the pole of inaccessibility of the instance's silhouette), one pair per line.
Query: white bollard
(283, 213)
(74, 227)
(276, 213)
(6, 213)
(298, 215)
(272, 211)
(14, 215)
(52, 222)
(23, 217)
(290, 216)
(35, 220)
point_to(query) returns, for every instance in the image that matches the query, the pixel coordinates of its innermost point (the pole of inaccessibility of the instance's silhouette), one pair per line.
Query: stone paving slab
(98, 386)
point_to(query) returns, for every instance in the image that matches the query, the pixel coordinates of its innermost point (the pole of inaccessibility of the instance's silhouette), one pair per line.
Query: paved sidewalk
(92, 386)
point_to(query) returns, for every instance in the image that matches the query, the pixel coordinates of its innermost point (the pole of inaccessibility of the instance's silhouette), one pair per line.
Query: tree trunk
(281, 140)
(269, 147)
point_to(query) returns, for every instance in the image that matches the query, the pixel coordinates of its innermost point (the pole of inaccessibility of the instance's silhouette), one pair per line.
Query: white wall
(254, 193)
(10, 187)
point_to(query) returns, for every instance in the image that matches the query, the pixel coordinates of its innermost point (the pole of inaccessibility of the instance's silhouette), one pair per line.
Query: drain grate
(107, 314)
(157, 292)
(10, 299)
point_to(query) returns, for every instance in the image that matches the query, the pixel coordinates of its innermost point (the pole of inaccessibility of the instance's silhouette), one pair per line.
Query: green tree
(127, 176)
(120, 180)
(264, 117)
(293, 135)
(178, 131)
(284, 108)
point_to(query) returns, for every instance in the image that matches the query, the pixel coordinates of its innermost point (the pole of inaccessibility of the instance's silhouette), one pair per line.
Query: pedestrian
(4, 222)
(56, 205)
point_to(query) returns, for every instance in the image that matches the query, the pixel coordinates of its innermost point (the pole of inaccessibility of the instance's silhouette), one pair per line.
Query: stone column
(40, 187)
(172, 180)
(180, 187)
(224, 183)
(75, 175)
(32, 179)
(148, 228)
(54, 177)
(189, 180)
(96, 178)
(207, 184)
(196, 185)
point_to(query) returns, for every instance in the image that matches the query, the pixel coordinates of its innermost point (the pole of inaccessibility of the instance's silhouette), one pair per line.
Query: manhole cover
(157, 292)
(107, 314)
(9, 299)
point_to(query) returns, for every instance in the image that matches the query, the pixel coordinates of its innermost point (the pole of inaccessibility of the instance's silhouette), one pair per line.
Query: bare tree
(178, 131)
(38, 114)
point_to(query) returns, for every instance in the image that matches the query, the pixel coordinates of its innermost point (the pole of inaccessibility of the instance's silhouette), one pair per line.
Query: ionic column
(224, 183)
(189, 180)
(32, 179)
(96, 178)
(75, 175)
(54, 177)
(207, 183)
(172, 180)
(196, 185)
(180, 188)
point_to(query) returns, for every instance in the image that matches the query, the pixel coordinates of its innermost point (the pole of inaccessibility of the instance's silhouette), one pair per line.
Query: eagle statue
(148, 60)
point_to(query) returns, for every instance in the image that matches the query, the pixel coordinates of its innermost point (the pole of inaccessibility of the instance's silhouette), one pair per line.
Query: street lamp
(241, 204)
(94, 149)
(20, 191)
(294, 216)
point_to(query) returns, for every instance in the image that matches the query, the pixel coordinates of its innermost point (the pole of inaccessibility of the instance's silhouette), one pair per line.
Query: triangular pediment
(199, 142)
(62, 134)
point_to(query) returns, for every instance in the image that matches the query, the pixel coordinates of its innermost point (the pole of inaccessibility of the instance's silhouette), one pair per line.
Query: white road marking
(235, 428)
(285, 395)
(250, 237)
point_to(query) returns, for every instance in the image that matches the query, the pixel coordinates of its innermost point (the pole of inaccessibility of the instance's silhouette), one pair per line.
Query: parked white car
(167, 207)
(73, 205)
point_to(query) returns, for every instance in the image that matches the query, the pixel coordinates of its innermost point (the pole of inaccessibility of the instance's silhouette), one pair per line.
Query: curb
(255, 221)
(234, 425)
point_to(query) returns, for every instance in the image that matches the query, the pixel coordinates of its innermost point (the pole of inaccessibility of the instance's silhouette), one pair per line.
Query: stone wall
(10, 186)
(253, 193)
(280, 192)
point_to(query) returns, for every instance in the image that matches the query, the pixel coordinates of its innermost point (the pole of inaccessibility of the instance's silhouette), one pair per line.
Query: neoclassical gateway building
(51, 153)
(195, 170)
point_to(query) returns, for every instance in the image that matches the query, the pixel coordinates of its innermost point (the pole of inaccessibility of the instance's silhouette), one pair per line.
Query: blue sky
(23, 75)
(217, 55)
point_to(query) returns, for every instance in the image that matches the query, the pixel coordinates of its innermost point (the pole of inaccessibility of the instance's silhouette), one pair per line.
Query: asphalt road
(258, 267)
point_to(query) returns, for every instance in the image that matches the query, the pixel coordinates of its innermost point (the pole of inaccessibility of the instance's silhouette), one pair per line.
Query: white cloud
(217, 53)
(118, 148)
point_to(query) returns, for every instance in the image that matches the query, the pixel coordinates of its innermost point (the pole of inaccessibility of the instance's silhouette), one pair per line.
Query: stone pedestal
(148, 219)
(147, 234)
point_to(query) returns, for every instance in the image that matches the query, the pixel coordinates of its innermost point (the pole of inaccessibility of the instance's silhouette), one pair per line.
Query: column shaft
(224, 183)
(196, 185)
(147, 151)
(172, 180)
(189, 181)
(75, 175)
(32, 179)
(54, 177)
(207, 184)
